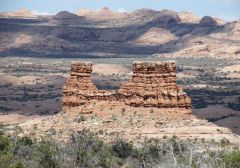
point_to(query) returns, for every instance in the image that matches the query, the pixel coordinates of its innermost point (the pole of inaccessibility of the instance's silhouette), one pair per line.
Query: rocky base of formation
(153, 84)
(135, 124)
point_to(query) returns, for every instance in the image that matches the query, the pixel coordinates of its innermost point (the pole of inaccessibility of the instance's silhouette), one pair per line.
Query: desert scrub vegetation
(86, 150)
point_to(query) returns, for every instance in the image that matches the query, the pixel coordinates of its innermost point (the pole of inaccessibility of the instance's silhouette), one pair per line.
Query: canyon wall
(153, 84)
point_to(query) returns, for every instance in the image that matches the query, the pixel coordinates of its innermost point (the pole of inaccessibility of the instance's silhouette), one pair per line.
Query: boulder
(208, 21)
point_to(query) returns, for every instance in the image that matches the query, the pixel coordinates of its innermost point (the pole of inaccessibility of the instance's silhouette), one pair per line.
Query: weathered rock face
(153, 84)
(80, 90)
(208, 21)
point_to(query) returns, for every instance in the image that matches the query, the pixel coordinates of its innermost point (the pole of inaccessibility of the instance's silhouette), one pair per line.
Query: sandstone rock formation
(80, 90)
(188, 17)
(155, 36)
(153, 84)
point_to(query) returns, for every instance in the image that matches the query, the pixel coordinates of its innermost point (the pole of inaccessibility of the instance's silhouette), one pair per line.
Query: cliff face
(153, 84)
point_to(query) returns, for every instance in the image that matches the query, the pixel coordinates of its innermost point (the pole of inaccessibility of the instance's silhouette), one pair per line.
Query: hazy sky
(227, 9)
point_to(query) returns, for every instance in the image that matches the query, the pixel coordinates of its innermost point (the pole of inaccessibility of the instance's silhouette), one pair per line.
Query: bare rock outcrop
(166, 17)
(188, 17)
(102, 14)
(153, 84)
(208, 21)
(155, 36)
(80, 90)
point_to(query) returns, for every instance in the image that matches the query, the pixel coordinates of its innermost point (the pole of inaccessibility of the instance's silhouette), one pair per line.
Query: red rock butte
(153, 84)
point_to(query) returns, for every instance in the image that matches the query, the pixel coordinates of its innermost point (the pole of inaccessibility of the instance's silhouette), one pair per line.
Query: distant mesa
(66, 15)
(108, 33)
(22, 13)
(188, 17)
(208, 21)
(157, 17)
(102, 14)
(83, 12)
(105, 8)
(89, 13)
(144, 11)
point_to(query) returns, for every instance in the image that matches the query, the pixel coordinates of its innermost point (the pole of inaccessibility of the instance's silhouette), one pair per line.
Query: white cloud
(121, 10)
(36, 12)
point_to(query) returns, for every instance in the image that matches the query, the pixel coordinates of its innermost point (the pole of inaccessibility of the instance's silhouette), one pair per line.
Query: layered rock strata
(153, 84)
(79, 89)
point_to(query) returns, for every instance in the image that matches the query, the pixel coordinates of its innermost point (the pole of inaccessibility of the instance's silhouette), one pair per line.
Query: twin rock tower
(153, 84)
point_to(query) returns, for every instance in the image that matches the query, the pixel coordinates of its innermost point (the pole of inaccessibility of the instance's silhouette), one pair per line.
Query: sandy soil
(12, 118)
(108, 69)
(112, 119)
(231, 68)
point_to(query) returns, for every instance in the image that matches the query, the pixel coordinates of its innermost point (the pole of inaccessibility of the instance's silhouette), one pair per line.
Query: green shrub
(122, 149)
(19, 164)
(45, 155)
(6, 159)
(224, 141)
(25, 141)
(86, 150)
(4, 143)
(164, 137)
(232, 160)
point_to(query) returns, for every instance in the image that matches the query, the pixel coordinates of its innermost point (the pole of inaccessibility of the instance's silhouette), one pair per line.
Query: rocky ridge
(107, 33)
(21, 13)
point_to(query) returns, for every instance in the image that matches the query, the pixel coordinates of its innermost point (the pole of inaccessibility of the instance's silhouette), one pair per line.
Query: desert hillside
(107, 33)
